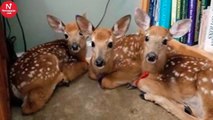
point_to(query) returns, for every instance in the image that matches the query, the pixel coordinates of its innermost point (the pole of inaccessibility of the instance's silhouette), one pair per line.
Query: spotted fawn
(174, 81)
(36, 73)
(115, 57)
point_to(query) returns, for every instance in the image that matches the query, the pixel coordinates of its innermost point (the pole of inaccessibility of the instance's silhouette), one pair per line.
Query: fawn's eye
(93, 44)
(146, 38)
(110, 45)
(66, 36)
(80, 33)
(164, 42)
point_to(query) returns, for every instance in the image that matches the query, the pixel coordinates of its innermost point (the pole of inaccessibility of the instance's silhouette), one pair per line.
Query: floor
(85, 100)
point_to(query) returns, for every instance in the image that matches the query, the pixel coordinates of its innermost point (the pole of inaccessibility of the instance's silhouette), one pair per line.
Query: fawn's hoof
(142, 95)
(187, 109)
(130, 86)
(100, 78)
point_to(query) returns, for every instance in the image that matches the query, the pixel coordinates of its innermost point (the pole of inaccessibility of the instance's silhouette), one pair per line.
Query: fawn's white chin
(100, 67)
(151, 62)
(75, 51)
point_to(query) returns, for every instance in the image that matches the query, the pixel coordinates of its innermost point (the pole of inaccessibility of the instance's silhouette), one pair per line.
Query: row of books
(165, 12)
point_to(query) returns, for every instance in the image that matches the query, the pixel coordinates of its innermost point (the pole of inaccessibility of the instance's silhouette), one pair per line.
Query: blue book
(165, 13)
(151, 11)
(192, 8)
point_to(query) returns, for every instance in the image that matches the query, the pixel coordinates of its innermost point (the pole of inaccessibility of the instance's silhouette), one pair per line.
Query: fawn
(178, 80)
(115, 57)
(36, 73)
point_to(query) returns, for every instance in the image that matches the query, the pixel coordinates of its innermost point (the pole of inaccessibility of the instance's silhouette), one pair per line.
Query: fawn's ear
(180, 28)
(142, 19)
(121, 26)
(84, 15)
(84, 25)
(56, 24)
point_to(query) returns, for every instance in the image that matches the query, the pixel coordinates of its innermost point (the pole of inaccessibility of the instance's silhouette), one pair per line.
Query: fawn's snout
(151, 57)
(75, 47)
(99, 62)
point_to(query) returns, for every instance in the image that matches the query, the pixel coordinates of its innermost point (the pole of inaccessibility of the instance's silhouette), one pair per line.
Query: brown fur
(179, 80)
(35, 74)
(119, 61)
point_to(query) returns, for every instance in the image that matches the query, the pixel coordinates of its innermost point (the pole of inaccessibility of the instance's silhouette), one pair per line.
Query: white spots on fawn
(212, 80)
(183, 65)
(172, 62)
(40, 70)
(36, 65)
(189, 78)
(125, 49)
(33, 68)
(205, 79)
(173, 79)
(48, 69)
(210, 69)
(204, 90)
(182, 74)
(160, 77)
(176, 73)
(22, 84)
(49, 63)
(211, 92)
(196, 69)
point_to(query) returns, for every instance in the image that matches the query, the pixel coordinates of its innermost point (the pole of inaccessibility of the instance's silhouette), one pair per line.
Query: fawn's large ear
(84, 25)
(180, 28)
(84, 15)
(121, 26)
(142, 19)
(55, 23)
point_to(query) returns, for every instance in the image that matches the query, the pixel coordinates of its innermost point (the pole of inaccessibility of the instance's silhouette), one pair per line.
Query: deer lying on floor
(175, 81)
(35, 75)
(115, 57)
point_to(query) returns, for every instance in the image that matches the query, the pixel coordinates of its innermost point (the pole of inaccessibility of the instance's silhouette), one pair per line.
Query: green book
(179, 13)
(184, 14)
(198, 17)
(205, 4)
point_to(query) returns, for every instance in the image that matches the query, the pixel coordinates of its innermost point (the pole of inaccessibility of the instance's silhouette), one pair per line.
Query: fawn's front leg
(118, 78)
(74, 70)
(170, 105)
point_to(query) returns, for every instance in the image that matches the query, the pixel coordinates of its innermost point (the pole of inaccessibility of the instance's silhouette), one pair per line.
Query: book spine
(208, 44)
(197, 24)
(178, 13)
(165, 13)
(203, 26)
(179, 10)
(145, 5)
(205, 4)
(151, 10)
(191, 15)
(184, 15)
(174, 8)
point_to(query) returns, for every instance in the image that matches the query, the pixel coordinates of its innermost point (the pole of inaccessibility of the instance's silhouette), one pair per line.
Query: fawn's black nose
(99, 62)
(151, 57)
(75, 46)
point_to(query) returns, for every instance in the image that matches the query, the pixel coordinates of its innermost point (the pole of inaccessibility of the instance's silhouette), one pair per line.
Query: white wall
(33, 16)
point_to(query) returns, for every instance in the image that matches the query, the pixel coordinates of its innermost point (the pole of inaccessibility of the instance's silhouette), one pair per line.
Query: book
(174, 8)
(145, 5)
(179, 10)
(151, 11)
(184, 15)
(165, 13)
(203, 26)
(192, 8)
(197, 22)
(208, 43)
